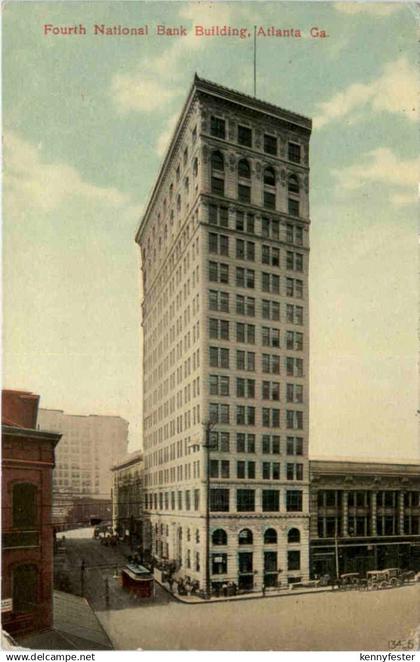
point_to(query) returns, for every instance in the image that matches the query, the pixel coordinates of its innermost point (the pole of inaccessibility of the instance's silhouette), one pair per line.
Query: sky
(86, 119)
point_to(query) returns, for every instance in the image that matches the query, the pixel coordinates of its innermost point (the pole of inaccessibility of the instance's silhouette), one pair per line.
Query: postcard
(210, 349)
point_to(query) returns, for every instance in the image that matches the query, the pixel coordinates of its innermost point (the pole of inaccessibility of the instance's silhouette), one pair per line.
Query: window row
(245, 388)
(246, 500)
(219, 357)
(185, 500)
(245, 278)
(246, 415)
(246, 306)
(245, 137)
(246, 443)
(247, 469)
(246, 333)
(246, 222)
(219, 537)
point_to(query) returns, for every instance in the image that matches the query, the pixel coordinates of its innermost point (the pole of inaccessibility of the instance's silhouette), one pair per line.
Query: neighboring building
(225, 256)
(89, 447)
(27, 533)
(127, 497)
(365, 515)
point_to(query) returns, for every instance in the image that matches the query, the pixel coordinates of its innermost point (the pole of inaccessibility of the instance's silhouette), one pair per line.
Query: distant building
(90, 445)
(225, 261)
(127, 497)
(364, 516)
(27, 532)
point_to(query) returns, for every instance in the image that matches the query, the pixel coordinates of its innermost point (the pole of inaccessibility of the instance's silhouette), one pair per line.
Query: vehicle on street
(348, 581)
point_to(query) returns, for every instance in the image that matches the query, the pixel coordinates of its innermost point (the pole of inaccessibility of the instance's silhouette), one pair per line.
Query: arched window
(269, 176)
(217, 162)
(245, 537)
(293, 184)
(219, 537)
(293, 536)
(25, 588)
(243, 169)
(270, 537)
(24, 505)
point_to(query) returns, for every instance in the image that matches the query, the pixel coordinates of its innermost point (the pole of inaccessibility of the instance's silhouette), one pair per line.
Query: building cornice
(227, 94)
(30, 434)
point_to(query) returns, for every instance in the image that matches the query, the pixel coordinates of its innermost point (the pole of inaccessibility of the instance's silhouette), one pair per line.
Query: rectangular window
(293, 500)
(294, 367)
(245, 443)
(270, 144)
(218, 243)
(244, 136)
(294, 446)
(218, 185)
(217, 127)
(245, 360)
(219, 564)
(270, 201)
(293, 560)
(270, 500)
(294, 420)
(244, 193)
(219, 357)
(219, 500)
(245, 500)
(293, 207)
(294, 152)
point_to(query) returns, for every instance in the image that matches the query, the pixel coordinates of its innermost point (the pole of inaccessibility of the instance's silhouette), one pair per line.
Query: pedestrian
(263, 589)
(106, 592)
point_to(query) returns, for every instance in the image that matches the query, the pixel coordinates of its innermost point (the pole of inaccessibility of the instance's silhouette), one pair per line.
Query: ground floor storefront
(240, 555)
(336, 557)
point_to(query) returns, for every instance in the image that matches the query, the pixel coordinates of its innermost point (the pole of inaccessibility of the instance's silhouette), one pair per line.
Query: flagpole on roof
(255, 60)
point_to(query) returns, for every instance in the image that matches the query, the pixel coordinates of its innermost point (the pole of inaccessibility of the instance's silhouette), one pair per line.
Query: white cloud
(31, 183)
(395, 91)
(137, 92)
(382, 166)
(368, 7)
(156, 81)
(164, 138)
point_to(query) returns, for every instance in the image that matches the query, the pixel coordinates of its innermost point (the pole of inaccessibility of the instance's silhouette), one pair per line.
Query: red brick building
(27, 533)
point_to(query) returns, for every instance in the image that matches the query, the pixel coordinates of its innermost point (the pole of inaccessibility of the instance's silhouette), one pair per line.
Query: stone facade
(225, 250)
(90, 445)
(127, 497)
(364, 516)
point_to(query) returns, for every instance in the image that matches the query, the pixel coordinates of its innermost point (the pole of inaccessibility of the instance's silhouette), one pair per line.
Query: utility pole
(337, 568)
(82, 578)
(208, 427)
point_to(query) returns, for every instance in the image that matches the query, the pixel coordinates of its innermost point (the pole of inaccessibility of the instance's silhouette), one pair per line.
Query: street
(351, 620)
(101, 584)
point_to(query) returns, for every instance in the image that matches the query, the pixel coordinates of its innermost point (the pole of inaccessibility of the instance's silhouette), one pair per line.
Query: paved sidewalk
(280, 593)
(76, 627)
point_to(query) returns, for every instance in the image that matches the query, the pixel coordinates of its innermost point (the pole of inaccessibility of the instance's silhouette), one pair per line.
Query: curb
(239, 599)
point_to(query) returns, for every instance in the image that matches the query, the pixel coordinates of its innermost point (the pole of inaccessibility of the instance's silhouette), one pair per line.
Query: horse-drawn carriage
(349, 581)
(388, 578)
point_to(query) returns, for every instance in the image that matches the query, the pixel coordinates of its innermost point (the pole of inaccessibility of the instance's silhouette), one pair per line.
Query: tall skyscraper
(90, 446)
(225, 249)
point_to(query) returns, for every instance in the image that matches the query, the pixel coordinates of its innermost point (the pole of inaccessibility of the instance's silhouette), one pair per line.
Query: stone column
(345, 515)
(401, 512)
(373, 496)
